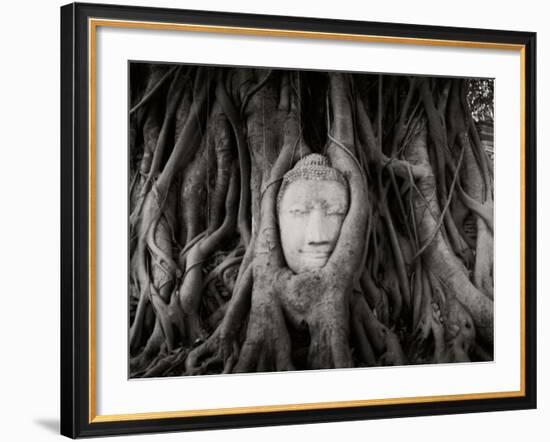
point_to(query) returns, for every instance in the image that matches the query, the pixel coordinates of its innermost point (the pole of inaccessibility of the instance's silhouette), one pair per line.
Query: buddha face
(311, 213)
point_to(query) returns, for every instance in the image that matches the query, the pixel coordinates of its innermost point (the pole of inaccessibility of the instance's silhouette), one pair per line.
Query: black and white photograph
(285, 220)
(275, 221)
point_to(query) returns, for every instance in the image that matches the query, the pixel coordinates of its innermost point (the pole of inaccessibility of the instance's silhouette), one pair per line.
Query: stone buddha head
(312, 204)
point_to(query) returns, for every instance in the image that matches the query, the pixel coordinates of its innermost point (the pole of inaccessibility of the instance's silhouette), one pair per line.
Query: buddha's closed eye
(336, 212)
(299, 211)
(329, 211)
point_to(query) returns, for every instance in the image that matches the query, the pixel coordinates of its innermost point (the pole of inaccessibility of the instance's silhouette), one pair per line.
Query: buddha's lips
(315, 254)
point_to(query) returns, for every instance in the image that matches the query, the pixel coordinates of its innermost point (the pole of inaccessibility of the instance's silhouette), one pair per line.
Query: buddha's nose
(315, 233)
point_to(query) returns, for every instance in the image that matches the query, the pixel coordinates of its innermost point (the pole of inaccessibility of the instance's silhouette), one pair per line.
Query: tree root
(384, 342)
(190, 290)
(438, 255)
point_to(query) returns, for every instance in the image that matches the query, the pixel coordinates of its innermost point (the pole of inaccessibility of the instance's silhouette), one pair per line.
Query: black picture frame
(76, 420)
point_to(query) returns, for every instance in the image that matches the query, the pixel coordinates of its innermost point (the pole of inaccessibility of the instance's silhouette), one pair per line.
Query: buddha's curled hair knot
(312, 167)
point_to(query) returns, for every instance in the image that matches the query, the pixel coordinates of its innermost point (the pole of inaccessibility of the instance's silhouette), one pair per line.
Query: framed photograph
(275, 220)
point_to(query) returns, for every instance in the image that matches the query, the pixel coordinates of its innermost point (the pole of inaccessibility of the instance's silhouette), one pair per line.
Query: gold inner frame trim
(93, 24)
